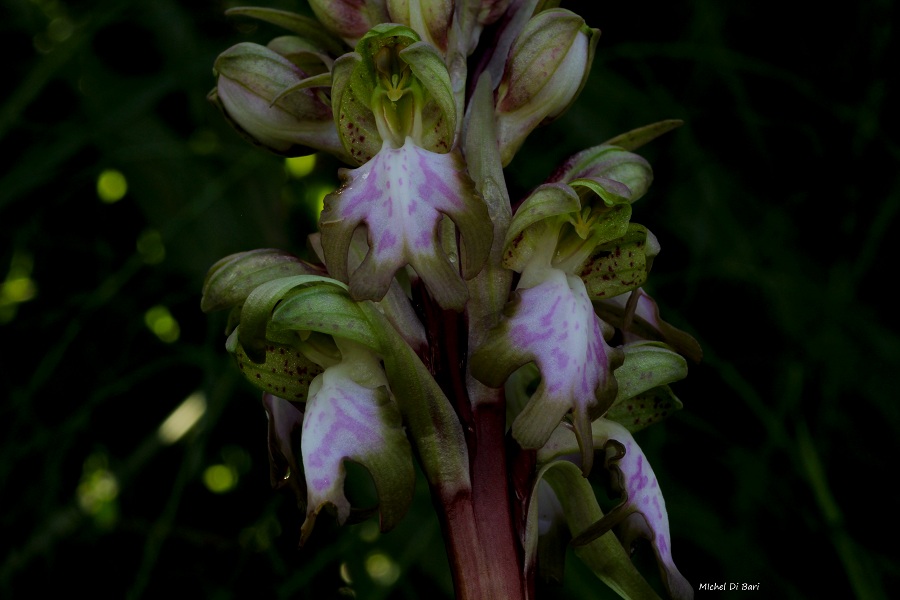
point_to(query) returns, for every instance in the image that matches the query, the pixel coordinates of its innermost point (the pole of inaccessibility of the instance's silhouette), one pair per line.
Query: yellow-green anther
(393, 74)
(582, 222)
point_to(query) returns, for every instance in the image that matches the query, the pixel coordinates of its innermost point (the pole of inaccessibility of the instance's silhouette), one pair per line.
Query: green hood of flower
(393, 87)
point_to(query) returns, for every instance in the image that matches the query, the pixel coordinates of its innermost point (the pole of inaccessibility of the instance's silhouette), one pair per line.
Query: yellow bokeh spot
(18, 286)
(150, 247)
(183, 418)
(382, 569)
(219, 478)
(299, 167)
(20, 289)
(368, 531)
(111, 186)
(345, 573)
(161, 322)
(98, 489)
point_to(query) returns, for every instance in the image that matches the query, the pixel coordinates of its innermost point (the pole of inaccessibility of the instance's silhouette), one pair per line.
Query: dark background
(775, 205)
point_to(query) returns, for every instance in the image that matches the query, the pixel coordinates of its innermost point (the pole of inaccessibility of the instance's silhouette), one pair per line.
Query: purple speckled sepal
(401, 196)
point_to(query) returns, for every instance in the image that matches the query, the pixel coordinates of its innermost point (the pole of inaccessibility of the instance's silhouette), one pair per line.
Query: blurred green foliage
(775, 206)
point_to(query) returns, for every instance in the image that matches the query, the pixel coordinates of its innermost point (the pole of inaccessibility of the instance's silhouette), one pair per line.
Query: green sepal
(438, 126)
(308, 57)
(303, 26)
(285, 371)
(604, 556)
(565, 213)
(605, 163)
(645, 409)
(351, 93)
(529, 223)
(609, 190)
(257, 311)
(648, 365)
(395, 118)
(634, 139)
(381, 36)
(363, 111)
(621, 265)
(580, 237)
(326, 309)
(643, 396)
(231, 279)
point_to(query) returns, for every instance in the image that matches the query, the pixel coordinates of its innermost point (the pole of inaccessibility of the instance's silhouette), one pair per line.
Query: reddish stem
(490, 491)
(482, 544)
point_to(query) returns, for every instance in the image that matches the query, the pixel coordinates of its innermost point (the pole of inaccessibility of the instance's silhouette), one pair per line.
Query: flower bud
(547, 67)
(491, 10)
(250, 90)
(350, 19)
(429, 18)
